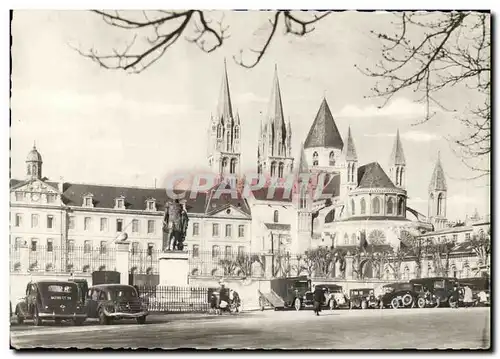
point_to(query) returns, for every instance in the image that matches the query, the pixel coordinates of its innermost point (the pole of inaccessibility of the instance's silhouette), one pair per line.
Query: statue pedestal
(174, 268)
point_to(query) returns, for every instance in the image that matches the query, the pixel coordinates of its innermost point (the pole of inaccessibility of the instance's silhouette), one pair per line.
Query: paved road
(356, 329)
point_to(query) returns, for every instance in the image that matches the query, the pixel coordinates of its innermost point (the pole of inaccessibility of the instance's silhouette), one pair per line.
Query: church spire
(225, 108)
(303, 167)
(438, 180)
(350, 149)
(275, 111)
(397, 155)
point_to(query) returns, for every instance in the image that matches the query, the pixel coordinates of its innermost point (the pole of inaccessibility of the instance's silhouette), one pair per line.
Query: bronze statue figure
(175, 224)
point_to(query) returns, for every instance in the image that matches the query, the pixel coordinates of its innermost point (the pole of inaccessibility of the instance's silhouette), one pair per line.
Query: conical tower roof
(324, 131)
(275, 110)
(350, 149)
(397, 155)
(303, 167)
(438, 180)
(224, 107)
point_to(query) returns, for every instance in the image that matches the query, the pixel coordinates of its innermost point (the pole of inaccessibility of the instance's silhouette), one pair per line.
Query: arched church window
(397, 176)
(353, 207)
(376, 205)
(332, 158)
(315, 158)
(362, 206)
(219, 131)
(232, 168)
(224, 164)
(401, 172)
(276, 216)
(346, 239)
(280, 170)
(353, 238)
(273, 169)
(259, 169)
(390, 206)
(440, 201)
(228, 143)
(236, 133)
(401, 205)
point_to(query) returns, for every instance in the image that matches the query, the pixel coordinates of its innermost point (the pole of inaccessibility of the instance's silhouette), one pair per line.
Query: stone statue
(174, 226)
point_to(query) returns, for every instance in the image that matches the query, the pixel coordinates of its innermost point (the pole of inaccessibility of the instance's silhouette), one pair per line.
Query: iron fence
(166, 299)
(71, 259)
(143, 261)
(15, 260)
(227, 265)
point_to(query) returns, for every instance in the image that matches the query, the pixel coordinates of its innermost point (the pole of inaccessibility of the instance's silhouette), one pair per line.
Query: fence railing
(168, 299)
(143, 261)
(66, 259)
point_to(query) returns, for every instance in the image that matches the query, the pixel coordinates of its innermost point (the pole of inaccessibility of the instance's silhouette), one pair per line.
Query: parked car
(480, 289)
(403, 295)
(362, 298)
(331, 296)
(286, 293)
(440, 287)
(51, 300)
(109, 302)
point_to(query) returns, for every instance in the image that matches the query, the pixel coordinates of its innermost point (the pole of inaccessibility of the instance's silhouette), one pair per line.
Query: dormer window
(120, 202)
(88, 200)
(151, 204)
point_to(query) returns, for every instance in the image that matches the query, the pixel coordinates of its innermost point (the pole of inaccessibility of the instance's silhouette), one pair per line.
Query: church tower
(303, 201)
(437, 196)
(224, 135)
(274, 154)
(34, 165)
(349, 174)
(397, 164)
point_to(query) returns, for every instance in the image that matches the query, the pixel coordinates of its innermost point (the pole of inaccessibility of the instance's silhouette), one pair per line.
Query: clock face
(35, 197)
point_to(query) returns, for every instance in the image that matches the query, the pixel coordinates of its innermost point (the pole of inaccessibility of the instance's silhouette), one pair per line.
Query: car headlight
(46, 307)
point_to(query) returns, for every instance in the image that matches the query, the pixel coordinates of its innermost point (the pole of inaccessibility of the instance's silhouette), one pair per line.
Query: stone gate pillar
(122, 259)
(349, 262)
(24, 256)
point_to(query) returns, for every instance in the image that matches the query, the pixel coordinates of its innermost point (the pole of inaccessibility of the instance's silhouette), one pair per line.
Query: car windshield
(122, 292)
(439, 284)
(301, 285)
(405, 286)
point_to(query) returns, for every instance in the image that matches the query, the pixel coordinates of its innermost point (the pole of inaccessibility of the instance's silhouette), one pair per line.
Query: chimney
(60, 185)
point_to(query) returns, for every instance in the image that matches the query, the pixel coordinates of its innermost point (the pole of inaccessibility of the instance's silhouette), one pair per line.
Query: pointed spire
(324, 131)
(438, 180)
(350, 149)
(397, 155)
(34, 144)
(275, 111)
(303, 167)
(224, 108)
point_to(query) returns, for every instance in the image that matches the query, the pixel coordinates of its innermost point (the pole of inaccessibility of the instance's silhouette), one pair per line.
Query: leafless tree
(432, 52)
(481, 245)
(415, 249)
(440, 250)
(159, 30)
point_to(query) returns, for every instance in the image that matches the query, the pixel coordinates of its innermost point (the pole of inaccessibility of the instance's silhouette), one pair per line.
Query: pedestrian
(223, 297)
(318, 297)
(454, 297)
(467, 296)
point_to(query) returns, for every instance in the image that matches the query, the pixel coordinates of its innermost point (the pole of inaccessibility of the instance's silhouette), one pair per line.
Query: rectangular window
(51, 198)
(88, 202)
(241, 250)
(151, 226)
(71, 223)
(87, 221)
(215, 251)
(19, 220)
(71, 245)
(50, 245)
(215, 230)
(196, 229)
(228, 251)
(33, 245)
(455, 237)
(104, 225)
(119, 225)
(87, 247)
(19, 240)
(102, 248)
(34, 220)
(151, 246)
(19, 196)
(228, 230)
(241, 231)
(50, 221)
(135, 248)
(196, 251)
(467, 236)
(135, 225)
(120, 203)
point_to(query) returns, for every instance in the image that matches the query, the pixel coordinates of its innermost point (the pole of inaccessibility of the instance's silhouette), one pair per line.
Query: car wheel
(421, 302)
(407, 300)
(364, 304)
(297, 304)
(331, 304)
(79, 321)
(103, 319)
(395, 303)
(141, 320)
(37, 321)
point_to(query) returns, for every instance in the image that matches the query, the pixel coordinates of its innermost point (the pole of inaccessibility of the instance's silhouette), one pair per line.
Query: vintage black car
(362, 298)
(286, 293)
(109, 302)
(51, 300)
(334, 296)
(441, 288)
(403, 295)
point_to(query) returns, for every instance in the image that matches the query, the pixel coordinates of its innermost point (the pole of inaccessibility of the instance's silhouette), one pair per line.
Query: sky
(93, 125)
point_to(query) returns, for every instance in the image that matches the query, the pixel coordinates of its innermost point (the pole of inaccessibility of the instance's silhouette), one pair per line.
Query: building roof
(224, 107)
(324, 131)
(438, 180)
(219, 197)
(372, 175)
(397, 154)
(34, 155)
(376, 218)
(349, 148)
